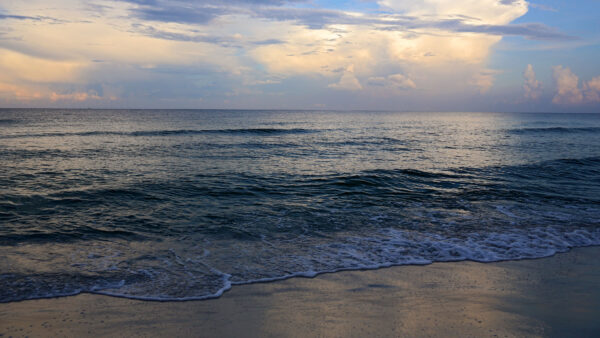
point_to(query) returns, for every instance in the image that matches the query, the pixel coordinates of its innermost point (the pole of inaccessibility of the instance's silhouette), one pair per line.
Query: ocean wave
(159, 206)
(564, 130)
(178, 277)
(79, 235)
(175, 132)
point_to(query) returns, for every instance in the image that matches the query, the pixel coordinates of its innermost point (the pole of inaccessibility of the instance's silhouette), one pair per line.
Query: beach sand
(556, 296)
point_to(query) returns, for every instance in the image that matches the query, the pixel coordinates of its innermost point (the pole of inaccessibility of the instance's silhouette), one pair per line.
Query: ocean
(184, 204)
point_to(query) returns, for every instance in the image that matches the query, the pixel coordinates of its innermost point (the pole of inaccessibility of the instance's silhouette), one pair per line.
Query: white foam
(197, 277)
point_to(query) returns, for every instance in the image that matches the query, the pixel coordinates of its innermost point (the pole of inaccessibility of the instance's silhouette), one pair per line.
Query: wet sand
(557, 296)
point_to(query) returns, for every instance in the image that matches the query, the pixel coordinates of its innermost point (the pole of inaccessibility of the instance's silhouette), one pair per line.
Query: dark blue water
(173, 205)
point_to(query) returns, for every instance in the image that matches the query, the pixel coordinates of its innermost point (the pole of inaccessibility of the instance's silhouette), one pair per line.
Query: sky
(399, 55)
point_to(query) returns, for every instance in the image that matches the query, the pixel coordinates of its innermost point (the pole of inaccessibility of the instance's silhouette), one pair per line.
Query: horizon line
(307, 110)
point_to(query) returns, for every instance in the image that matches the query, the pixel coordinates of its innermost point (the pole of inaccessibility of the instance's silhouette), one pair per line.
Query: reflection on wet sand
(555, 296)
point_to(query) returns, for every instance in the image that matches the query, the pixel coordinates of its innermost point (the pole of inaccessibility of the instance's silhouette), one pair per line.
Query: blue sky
(431, 55)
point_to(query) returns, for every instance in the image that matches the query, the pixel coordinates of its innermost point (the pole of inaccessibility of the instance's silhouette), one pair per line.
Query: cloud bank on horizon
(487, 55)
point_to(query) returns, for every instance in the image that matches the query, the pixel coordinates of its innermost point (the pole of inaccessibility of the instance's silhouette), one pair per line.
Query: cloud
(235, 40)
(314, 18)
(399, 81)
(348, 81)
(532, 31)
(543, 7)
(77, 96)
(320, 18)
(4, 31)
(568, 91)
(11, 91)
(21, 67)
(31, 93)
(152, 50)
(567, 86)
(194, 12)
(486, 18)
(213, 2)
(491, 12)
(178, 13)
(268, 42)
(18, 17)
(592, 90)
(532, 87)
(39, 18)
(484, 79)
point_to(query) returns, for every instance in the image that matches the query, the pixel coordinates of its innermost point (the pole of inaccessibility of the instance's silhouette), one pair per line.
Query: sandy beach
(555, 296)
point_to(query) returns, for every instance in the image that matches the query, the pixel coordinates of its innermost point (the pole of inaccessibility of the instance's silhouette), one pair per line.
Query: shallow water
(182, 204)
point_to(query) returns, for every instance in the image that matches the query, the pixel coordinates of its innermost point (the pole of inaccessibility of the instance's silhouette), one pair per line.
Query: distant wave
(88, 233)
(554, 130)
(252, 131)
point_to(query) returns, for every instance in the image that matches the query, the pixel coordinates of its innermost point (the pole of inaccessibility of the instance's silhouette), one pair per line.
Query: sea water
(176, 205)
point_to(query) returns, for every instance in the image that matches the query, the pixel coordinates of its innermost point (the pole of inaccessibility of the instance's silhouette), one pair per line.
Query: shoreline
(551, 296)
(307, 275)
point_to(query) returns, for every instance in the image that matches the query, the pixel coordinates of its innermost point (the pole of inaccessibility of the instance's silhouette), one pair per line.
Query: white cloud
(484, 79)
(532, 87)
(153, 49)
(474, 11)
(592, 90)
(348, 81)
(567, 86)
(14, 65)
(401, 81)
(568, 91)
